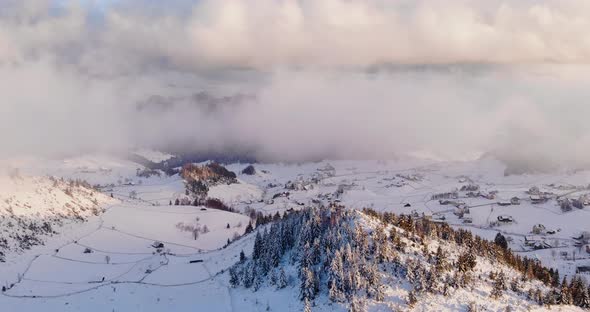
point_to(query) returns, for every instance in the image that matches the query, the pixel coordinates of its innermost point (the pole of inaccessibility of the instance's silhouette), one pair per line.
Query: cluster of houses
(399, 183)
(447, 195)
(301, 184)
(414, 177)
(487, 195)
(538, 197)
(327, 171)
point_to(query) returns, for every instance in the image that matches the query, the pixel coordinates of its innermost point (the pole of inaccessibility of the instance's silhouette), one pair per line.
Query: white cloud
(452, 79)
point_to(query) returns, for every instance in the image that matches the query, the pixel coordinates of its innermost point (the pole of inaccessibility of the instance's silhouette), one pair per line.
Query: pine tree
(501, 278)
(249, 228)
(551, 298)
(466, 262)
(498, 285)
(258, 279)
(248, 275)
(316, 252)
(411, 271)
(565, 296)
(501, 241)
(308, 288)
(334, 293)
(380, 244)
(412, 300)
(555, 278)
(258, 246)
(442, 264)
(234, 277)
(336, 278)
(282, 279)
(273, 278)
(420, 283)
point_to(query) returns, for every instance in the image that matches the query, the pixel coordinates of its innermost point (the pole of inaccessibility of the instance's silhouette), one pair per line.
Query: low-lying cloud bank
(315, 79)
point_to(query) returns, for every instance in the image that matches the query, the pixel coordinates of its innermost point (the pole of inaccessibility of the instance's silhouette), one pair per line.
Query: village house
(538, 229)
(538, 199)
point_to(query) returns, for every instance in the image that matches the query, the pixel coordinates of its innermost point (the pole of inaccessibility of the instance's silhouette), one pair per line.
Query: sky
(450, 79)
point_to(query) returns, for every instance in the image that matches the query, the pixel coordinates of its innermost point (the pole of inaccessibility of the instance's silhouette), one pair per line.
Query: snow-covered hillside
(32, 208)
(339, 260)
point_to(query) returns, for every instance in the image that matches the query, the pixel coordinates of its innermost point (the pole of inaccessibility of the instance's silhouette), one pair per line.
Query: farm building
(536, 242)
(505, 218)
(534, 191)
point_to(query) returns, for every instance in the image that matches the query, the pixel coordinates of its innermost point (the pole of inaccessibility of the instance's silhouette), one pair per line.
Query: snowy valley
(321, 236)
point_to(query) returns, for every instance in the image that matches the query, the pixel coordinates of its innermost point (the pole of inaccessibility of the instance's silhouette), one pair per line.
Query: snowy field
(111, 259)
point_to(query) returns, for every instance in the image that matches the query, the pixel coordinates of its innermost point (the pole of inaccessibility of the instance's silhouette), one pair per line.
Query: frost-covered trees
(381, 246)
(499, 284)
(282, 279)
(336, 281)
(309, 284)
(234, 276)
(466, 262)
(333, 255)
(442, 264)
(565, 295)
